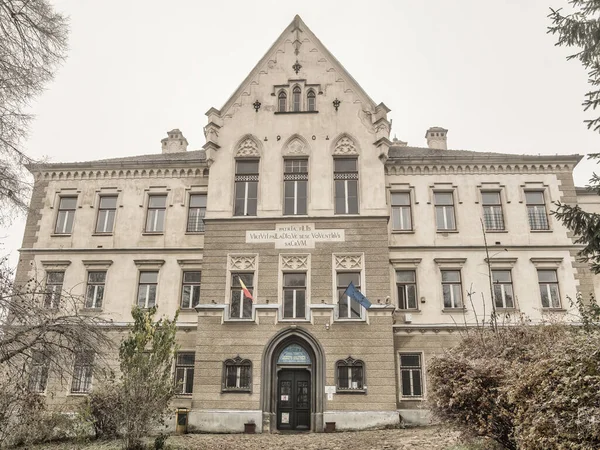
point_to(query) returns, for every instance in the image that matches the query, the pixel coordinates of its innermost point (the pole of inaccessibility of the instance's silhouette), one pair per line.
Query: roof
(400, 153)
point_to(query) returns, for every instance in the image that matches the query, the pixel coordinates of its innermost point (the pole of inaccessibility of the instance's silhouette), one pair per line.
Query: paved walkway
(430, 438)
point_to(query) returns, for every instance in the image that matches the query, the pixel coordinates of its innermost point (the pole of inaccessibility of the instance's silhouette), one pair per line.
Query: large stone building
(297, 192)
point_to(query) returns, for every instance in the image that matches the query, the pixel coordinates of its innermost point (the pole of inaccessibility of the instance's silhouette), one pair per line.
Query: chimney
(174, 142)
(436, 138)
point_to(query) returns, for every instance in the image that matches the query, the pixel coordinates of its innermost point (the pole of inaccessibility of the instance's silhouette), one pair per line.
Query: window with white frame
(66, 215)
(549, 292)
(53, 290)
(38, 373)
(536, 210)
(311, 100)
(157, 208)
(411, 376)
(107, 211)
(294, 295)
(282, 101)
(406, 287)
(242, 289)
(82, 373)
(350, 375)
(196, 213)
(190, 291)
(246, 187)
(444, 211)
(296, 99)
(348, 307)
(503, 289)
(493, 217)
(237, 375)
(94, 293)
(148, 282)
(295, 186)
(184, 373)
(452, 289)
(345, 175)
(401, 213)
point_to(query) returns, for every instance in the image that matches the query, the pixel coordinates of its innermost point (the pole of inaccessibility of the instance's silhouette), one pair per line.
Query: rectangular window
(295, 183)
(196, 213)
(549, 288)
(444, 211)
(411, 375)
(38, 376)
(66, 215)
(54, 286)
(237, 376)
(349, 308)
(241, 304)
(107, 211)
(493, 218)
(82, 373)
(94, 293)
(184, 373)
(407, 289)
(294, 295)
(503, 289)
(246, 188)
(350, 376)
(157, 208)
(345, 175)
(147, 289)
(401, 215)
(190, 292)
(536, 210)
(452, 289)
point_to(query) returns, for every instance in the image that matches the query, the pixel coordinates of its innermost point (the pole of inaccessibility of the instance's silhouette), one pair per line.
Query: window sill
(90, 310)
(541, 231)
(102, 234)
(236, 391)
(60, 234)
(78, 394)
(507, 310)
(446, 231)
(152, 233)
(496, 231)
(350, 391)
(194, 232)
(237, 319)
(188, 310)
(357, 320)
(454, 310)
(411, 399)
(403, 231)
(553, 310)
(183, 395)
(408, 311)
(288, 320)
(296, 112)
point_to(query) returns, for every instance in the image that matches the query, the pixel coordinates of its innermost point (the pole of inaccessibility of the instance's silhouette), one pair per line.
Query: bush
(524, 386)
(101, 409)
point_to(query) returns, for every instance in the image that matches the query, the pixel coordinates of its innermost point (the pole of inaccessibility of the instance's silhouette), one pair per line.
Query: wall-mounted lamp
(327, 326)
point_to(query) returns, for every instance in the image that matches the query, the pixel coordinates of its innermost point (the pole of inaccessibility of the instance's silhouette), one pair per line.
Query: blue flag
(357, 295)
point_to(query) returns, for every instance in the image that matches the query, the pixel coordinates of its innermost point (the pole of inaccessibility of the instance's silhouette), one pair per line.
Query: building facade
(297, 193)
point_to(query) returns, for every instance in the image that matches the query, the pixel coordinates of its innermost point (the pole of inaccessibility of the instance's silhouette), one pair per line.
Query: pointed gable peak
(297, 33)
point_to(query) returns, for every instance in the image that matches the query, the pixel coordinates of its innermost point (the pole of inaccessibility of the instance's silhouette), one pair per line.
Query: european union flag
(357, 295)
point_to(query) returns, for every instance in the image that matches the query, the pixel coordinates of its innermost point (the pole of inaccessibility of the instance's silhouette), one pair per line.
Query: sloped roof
(408, 153)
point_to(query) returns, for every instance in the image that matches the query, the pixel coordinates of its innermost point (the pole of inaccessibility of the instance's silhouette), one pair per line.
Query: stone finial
(437, 138)
(175, 142)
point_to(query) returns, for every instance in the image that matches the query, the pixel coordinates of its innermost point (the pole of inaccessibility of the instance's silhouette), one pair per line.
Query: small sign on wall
(285, 398)
(285, 417)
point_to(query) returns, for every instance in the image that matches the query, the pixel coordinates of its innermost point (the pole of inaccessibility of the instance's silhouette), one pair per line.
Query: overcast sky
(485, 70)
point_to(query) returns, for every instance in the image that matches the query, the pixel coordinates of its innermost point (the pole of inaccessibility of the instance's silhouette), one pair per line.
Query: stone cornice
(96, 171)
(458, 166)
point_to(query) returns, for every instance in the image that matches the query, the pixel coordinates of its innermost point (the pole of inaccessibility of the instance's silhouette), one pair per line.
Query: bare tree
(33, 43)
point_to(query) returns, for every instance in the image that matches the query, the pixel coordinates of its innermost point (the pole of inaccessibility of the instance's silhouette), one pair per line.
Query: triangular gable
(271, 54)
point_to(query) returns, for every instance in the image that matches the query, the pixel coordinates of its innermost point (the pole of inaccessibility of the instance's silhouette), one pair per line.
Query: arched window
(311, 101)
(296, 97)
(350, 374)
(237, 375)
(282, 101)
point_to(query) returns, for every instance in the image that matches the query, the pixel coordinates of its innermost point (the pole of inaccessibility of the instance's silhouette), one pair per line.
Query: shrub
(101, 409)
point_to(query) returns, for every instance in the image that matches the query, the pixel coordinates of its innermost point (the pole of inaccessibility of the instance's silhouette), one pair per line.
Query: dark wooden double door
(293, 399)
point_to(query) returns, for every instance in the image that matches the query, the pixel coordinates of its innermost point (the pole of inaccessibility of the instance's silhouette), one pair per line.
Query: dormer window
(282, 98)
(296, 98)
(311, 101)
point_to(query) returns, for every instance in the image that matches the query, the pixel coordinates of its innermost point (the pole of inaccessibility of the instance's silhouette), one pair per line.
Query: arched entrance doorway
(292, 382)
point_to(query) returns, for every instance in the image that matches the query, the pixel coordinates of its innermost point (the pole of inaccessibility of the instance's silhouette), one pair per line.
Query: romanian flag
(245, 290)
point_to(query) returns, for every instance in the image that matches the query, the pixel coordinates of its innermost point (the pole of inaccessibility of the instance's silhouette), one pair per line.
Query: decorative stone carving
(294, 262)
(248, 147)
(295, 147)
(345, 146)
(348, 261)
(242, 262)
